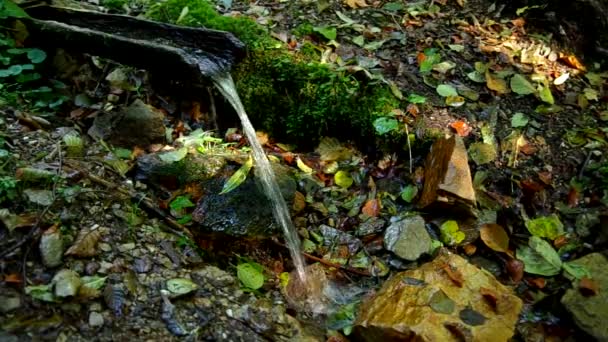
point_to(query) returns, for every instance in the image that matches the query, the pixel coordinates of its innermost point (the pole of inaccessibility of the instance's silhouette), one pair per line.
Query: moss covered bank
(290, 94)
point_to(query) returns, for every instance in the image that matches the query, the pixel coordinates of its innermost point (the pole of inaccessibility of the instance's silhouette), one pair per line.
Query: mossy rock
(287, 94)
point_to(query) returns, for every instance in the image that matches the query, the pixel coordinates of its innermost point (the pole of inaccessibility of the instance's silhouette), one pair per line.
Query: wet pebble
(142, 265)
(95, 319)
(91, 268)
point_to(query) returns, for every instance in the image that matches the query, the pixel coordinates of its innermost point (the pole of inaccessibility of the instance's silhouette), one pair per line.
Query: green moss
(291, 95)
(304, 29)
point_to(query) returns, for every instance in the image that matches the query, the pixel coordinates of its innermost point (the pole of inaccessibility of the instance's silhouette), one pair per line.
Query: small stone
(126, 247)
(66, 283)
(142, 265)
(95, 319)
(9, 300)
(105, 247)
(408, 238)
(91, 268)
(51, 248)
(105, 266)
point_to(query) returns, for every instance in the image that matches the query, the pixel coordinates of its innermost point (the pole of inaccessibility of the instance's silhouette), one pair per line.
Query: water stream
(225, 85)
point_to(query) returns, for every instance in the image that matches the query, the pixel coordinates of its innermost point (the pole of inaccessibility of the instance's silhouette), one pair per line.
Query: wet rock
(9, 300)
(374, 225)
(591, 312)
(335, 237)
(244, 211)
(408, 238)
(66, 283)
(447, 299)
(309, 296)
(95, 319)
(51, 248)
(193, 168)
(137, 125)
(447, 177)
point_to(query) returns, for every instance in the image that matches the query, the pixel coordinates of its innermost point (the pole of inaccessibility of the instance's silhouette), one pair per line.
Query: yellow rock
(447, 299)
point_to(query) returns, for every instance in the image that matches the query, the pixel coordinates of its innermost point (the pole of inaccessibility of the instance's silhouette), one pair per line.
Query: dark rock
(193, 168)
(137, 125)
(447, 178)
(244, 211)
(335, 237)
(590, 313)
(416, 305)
(408, 238)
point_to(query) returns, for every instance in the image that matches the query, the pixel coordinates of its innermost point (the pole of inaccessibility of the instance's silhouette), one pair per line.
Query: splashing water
(225, 84)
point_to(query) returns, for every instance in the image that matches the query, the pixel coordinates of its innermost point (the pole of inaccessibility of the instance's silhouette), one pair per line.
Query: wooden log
(175, 52)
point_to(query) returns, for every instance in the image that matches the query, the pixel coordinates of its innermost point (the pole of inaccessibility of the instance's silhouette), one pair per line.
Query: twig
(409, 146)
(174, 226)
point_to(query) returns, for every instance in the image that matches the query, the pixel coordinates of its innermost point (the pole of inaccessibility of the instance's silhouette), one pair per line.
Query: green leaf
(181, 286)
(409, 193)
(36, 55)
(546, 227)
(359, 40)
(476, 77)
(545, 94)
(432, 58)
(343, 179)
(519, 120)
(393, 6)
(415, 98)
(122, 153)
(444, 66)
(330, 33)
(539, 257)
(385, 125)
(450, 233)
(93, 282)
(575, 270)
(9, 9)
(375, 45)
(446, 90)
(250, 274)
(238, 177)
(41, 292)
(344, 318)
(456, 47)
(520, 85)
(174, 156)
(181, 202)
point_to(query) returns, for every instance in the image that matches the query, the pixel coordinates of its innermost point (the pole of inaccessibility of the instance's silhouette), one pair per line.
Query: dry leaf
(299, 202)
(515, 268)
(454, 274)
(85, 244)
(539, 283)
(13, 278)
(371, 208)
(470, 249)
(497, 84)
(588, 287)
(572, 62)
(461, 3)
(461, 128)
(413, 109)
(495, 237)
(355, 3)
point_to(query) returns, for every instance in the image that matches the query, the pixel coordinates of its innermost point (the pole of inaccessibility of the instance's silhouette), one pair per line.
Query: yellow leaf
(343, 179)
(495, 237)
(461, 2)
(497, 84)
(303, 167)
(355, 3)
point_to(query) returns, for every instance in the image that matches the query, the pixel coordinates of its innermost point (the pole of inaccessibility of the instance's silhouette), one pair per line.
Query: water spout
(225, 85)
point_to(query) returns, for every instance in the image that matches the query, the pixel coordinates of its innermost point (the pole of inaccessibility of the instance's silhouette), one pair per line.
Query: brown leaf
(454, 274)
(85, 244)
(371, 208)
(573, 197)
(495, 237)
(545, 177)
(355, 3)
(461, 128)
(588, 287)
(195, 112)
(573, 62)
(288, 157)
(470, 249)
(539, 283)
(497, 84)
(299, 202)
(14, 278)
(461, 3)
(515, 268)
(560, 241)
(413, 109)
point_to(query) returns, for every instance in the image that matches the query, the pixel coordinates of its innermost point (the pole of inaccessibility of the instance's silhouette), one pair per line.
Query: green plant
(8, 189)
(19, 76)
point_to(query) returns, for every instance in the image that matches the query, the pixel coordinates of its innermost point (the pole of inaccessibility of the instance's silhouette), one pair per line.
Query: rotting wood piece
(170, 50)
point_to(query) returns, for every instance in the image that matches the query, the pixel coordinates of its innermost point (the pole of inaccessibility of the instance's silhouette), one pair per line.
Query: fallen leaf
(573, 62)
(371, 208)
(355, 3)
(546, 226)
(13, 278)
(470, 249)
(299, 202)
(497, 84)
(539, 257)
(495, 237)
(238, 177)
(545, 94)
(446, 90)
(515, 268)
(455, 101)
(588, 287)
(454, 274)
(303, 167)
(461, 128)
(520, 85)
(539, 283)
(450, 233)
(412, 109)
(85, 244)
(343, 179)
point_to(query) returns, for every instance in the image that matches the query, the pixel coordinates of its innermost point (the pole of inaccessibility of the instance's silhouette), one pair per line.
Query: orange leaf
(413, 109)
(545, 177)
(421, 57)
(495, 237)
(539, 283)
(573, 62)
(299, 202)
(588, 287)
(470, 249)
(288, 157)
(14, 278)
(461, 128)
(371, 208)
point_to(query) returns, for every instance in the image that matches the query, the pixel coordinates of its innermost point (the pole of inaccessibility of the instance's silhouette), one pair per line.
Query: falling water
(224, 83)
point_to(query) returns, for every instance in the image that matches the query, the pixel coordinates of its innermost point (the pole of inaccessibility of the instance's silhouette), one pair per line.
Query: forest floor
(93, 248)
